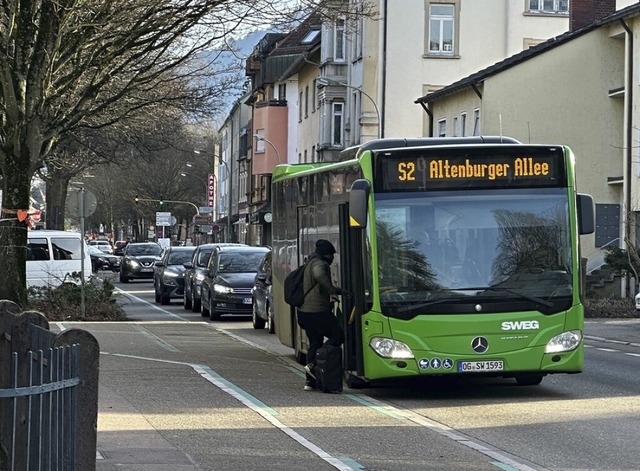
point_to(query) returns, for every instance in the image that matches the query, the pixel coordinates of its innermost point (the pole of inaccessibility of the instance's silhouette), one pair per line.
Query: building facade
(551, 94)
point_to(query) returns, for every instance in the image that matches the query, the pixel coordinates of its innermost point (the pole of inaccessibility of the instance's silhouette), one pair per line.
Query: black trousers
(317, 326)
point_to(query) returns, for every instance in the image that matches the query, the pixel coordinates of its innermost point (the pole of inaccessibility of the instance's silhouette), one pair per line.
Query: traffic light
(161, 202)
(136, 199)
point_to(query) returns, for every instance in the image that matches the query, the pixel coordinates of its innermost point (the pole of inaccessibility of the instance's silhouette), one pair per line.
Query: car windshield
(203, 257)
(445, 247)
(95, 250)
(136, 250)
(240, 262)
(179, 257)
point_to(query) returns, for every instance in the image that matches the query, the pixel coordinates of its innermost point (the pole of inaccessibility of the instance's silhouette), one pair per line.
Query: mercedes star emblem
(480, 344)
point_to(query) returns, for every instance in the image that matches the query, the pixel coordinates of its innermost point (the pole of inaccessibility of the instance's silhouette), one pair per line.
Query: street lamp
(262, 138)
(184, 173)
(328, 81)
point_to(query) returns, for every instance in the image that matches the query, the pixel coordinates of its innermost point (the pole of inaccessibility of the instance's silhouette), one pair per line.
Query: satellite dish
(72, 204)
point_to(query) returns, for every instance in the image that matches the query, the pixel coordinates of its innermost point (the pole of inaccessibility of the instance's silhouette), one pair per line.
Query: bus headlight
(389, 348)
(564, 342)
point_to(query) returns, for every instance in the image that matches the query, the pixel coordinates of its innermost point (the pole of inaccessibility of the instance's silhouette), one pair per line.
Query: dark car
(138, 260)
(168, 273)
(119, 247)
(194, 273)
(262, 298)
(101, 260)
(228, 280)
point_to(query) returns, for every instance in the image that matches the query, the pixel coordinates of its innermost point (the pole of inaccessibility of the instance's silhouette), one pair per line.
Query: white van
(52, 257)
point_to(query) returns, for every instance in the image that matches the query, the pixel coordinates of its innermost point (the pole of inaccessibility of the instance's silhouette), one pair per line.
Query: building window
(441, 29)
(549, 6)
(463, 124)
(476, 122)
(314, 87)
(310, 36)
(337, 121)
(607, 225)
(356, 112)
(356, 34)
(300, 108)
(260, 148)
(339, 41)
(306, 101)
(282, 91)
(455, 126)
(442, 128)
(305, 156)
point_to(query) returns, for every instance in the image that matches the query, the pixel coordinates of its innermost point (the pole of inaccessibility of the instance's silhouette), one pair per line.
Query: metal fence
(48, 394)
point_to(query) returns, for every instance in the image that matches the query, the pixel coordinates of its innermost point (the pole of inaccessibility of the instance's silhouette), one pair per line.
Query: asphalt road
(178, 392)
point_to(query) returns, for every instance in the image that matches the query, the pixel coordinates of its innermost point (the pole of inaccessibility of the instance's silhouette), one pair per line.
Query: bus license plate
(480, 366)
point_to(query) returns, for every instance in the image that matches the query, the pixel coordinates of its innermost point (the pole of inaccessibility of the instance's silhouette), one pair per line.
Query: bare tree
(71, 64)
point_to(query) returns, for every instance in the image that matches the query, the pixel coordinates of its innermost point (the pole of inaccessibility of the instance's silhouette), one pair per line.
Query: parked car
(194, 273)
(229, 277)
(138, 260)
(262, 312)
(53, 256)
(103, 245)
(103, 261)
(168, 273)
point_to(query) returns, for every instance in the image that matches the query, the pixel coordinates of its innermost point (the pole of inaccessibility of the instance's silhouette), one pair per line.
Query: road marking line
(254, 404)
(154, 338)
(152, 305)
(507, 463)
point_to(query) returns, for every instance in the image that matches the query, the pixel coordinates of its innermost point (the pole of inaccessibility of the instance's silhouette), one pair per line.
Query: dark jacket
(317, 282)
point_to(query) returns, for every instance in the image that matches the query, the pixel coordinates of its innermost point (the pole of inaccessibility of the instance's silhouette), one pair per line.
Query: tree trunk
(57, 185)
(13, 233)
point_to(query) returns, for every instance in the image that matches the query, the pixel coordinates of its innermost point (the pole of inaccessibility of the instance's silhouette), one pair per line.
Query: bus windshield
(473, 251)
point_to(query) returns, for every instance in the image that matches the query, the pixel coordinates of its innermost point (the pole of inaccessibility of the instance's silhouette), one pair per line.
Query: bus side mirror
(358, 204)
(586, 215)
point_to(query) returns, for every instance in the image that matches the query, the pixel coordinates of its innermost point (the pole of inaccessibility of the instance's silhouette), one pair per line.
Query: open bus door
(353, 221)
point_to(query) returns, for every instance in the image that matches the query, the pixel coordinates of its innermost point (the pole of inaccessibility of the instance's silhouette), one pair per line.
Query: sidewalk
(126, 440)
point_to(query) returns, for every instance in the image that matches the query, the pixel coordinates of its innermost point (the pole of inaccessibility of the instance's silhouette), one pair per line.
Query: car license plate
(480, 366)
(146, 269)
(246, 301)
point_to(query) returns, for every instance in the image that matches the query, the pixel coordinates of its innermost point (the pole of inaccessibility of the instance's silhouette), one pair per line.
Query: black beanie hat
(324, 247)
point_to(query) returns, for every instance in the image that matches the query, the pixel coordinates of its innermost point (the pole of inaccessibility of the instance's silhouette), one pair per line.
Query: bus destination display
(419, 171)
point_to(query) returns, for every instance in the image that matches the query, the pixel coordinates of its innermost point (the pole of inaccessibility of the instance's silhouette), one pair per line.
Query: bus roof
(352, 153)
(391, 143)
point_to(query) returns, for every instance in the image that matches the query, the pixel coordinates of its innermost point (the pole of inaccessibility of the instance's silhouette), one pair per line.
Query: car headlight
(134, 264)
(564, 342)
(200, 277)
(172, 273)
(222, 289)
(389, 348)
(102, 260)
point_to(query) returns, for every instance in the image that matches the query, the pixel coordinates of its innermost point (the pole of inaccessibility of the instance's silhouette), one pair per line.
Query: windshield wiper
(414, 307)
(534, 299)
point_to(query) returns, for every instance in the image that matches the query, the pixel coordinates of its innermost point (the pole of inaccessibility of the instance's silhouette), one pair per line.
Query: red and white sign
(211, 189)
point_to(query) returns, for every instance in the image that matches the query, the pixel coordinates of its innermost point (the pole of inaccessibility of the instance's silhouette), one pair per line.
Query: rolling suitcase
(328, 369)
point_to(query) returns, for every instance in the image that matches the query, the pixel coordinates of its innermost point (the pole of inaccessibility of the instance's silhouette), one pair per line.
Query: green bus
(461, 254)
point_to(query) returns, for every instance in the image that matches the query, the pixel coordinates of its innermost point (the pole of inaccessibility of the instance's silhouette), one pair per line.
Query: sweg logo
(520, 325)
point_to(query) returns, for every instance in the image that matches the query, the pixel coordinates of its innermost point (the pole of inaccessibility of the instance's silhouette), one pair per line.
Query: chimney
(585, 12)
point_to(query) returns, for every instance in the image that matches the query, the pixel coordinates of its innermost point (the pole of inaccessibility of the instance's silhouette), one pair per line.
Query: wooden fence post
(87, 397)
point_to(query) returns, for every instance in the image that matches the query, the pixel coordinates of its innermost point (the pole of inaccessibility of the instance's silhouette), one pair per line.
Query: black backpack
(294, 287)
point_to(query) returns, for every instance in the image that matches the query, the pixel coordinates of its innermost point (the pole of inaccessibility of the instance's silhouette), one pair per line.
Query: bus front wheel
(355, 382)
(529, 379)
